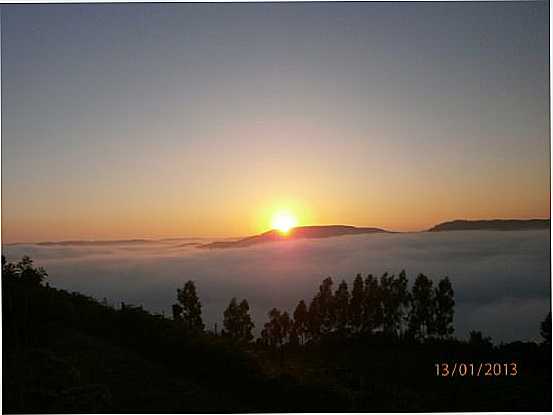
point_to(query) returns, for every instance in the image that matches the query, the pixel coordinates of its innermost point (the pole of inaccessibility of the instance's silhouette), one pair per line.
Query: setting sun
(284, 221)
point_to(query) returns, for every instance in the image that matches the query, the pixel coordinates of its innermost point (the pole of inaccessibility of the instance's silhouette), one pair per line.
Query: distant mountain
(94, 243)
(495, 224)
(111, 242)
(301, 232)
(187, 244)
(310, 232)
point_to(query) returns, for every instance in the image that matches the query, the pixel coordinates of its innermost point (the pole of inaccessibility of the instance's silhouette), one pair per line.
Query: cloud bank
(501, 279)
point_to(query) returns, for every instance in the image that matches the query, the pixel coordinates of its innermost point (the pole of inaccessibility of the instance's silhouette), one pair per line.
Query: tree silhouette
(24, 270)
(314, 319)
(8, 269)
(273, 331)
(321, 310)
(371, 305)
(356, 304)
(188, 310)
(545, 329)
(395, 299)
(386, 301)
(341, 307)
(177, 312)
(246, 323)
(293, 338)
(231, 321)
(286, 326)
(237, 321)
(421, 314)
(402, 299)
(300, 322)
(444, 308)
(477, 339)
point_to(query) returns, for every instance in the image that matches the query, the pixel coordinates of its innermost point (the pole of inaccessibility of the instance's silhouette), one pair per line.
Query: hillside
(67, 353)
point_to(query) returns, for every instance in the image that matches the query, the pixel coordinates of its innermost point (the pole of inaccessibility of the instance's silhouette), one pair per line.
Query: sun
(284, 221)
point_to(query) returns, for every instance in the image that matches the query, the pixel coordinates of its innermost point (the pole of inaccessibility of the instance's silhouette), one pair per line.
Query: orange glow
(284, 221)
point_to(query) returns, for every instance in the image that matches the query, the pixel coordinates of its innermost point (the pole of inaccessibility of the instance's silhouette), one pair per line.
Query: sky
(169, 120)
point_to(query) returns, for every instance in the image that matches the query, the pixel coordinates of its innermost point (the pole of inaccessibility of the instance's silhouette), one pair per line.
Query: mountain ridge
(300, 232)
(327, 231)
(491, 224)
(312, 232)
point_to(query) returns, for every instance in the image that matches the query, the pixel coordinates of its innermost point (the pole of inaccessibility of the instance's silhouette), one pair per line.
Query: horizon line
(180, 238)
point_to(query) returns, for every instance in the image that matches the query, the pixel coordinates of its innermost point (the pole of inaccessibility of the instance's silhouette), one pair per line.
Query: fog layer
(501, 279)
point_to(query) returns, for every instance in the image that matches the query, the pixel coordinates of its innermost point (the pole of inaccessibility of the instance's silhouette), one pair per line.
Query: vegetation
(372, 348)
(188, 310)
(237, 322)
(375, 305)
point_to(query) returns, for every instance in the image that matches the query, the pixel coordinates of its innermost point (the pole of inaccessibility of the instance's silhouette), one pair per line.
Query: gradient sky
(163, 120)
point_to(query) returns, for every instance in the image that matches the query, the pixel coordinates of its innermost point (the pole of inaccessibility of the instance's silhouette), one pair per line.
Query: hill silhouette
(310, 232)
(494, 224)
(300, 232)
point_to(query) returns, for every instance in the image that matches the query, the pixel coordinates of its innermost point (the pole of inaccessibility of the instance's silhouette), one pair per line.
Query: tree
(477, 339)
(395, 299)
(321, 310)
(444, 308)
(300, 321)
(25, 271)
(264, 339)
(273, 331)
(545, 329)
(372, 305)
(177, 312)
(356, 304)
(8, 269)
(386, 293)
(402, 300)
(422, 302)
(314, 319)
(237, 321)
(341, 307)
(326, 302)
(285, 327)
(231, 320)
(246, 323)
(188, 310)
(293, 338)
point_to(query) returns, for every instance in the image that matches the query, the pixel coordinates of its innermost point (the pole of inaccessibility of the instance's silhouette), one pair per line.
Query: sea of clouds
(501, 279)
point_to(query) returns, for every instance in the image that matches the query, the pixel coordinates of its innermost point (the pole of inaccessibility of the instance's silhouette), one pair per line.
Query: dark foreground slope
(65, 352)
(301, 232)
(493, 225)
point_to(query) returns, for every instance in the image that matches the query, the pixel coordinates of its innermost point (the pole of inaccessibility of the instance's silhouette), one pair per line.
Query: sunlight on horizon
(314, 118)
(284, 221)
